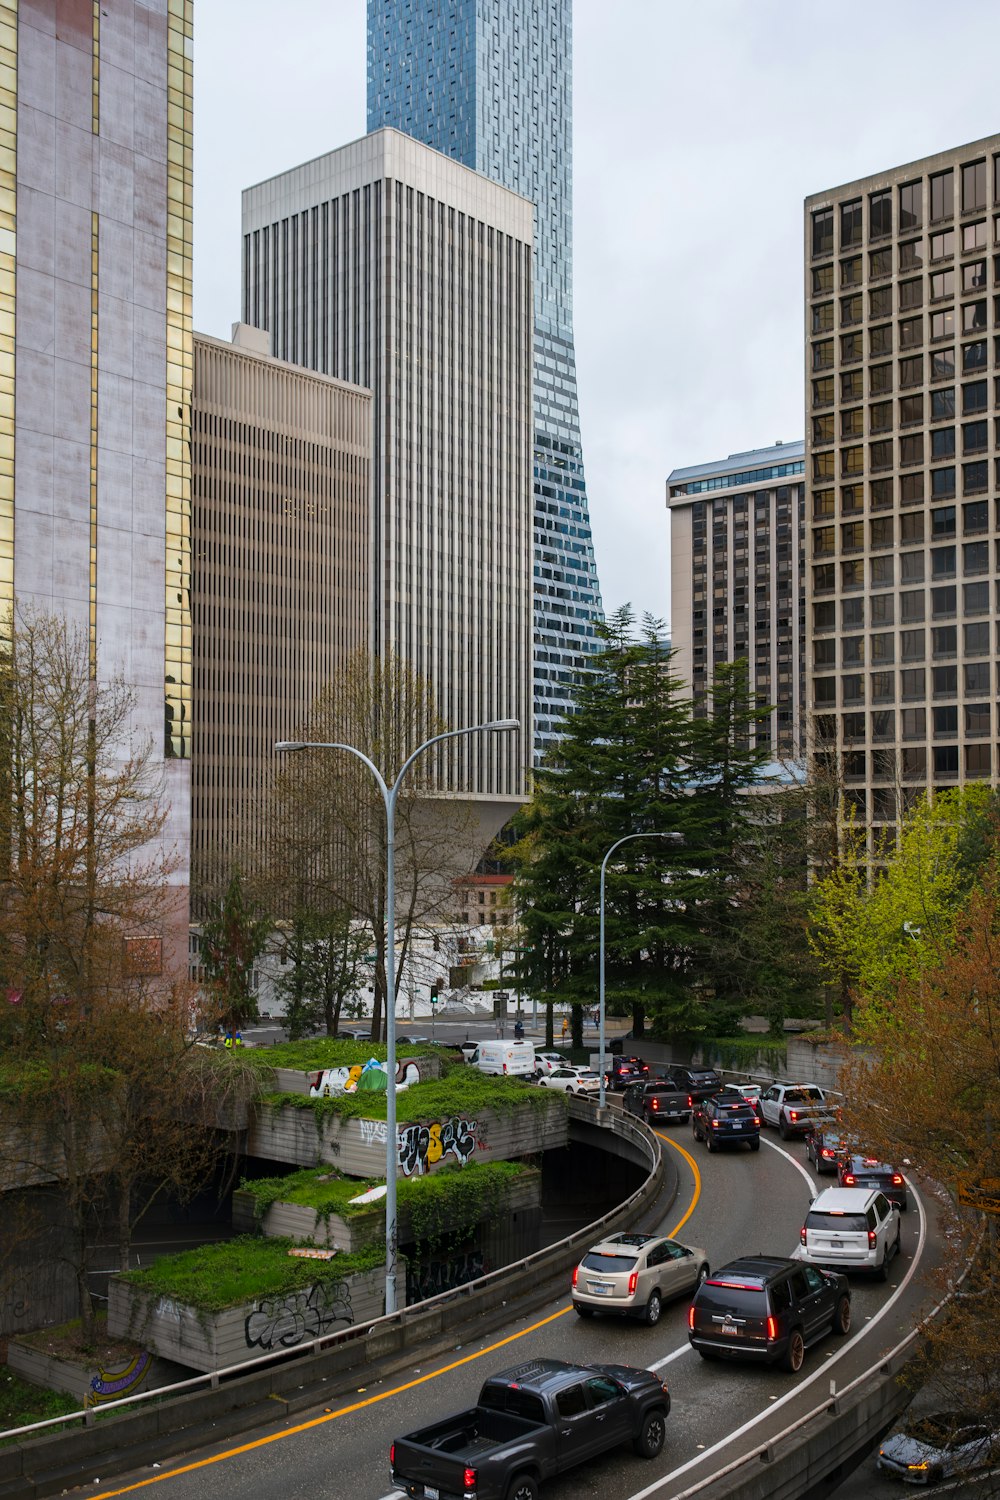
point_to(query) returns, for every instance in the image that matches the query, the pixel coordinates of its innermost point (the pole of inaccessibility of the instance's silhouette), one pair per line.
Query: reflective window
(942, 244)
(822, 279)
(973, 185)
(943, 443)
(822, 231)
(881, 493)
(973, 316)
(974, 396)
(942, 482)
(974, 477)
(911, 528)
(911, 488)
(850, 271)
(976, 638)
(879, 264)
(942, 403)
(974, 235)
(910, 195)
(880, 454)
(880, 339)
(943, 522)
(850, 224)
(974, 356)
(911, 409)
(823, 392)
(852, 422)
(880, 213)
(852, 385)
(911, 335)
(942, 284)
(944, 603)
(879, 379)
(911, 567)
(975, 558)
(911, 449)
(822, 317)
(880, 416)
(975, 517)
(974, 276)
(879, 303)
(822, 354)
(851, 347)
(823, 504)
(911, 606)
(943, 324)
(942, 186)
(911, 255)
(911, 645)
(974, 436)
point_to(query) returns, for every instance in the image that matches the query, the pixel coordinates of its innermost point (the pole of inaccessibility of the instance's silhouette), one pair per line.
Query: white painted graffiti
(282, 1322)
(373, 1132)
(420, 1146)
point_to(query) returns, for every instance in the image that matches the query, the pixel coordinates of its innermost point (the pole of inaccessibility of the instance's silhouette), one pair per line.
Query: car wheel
(842, 1316)
(581, 1311)
(653, 1309)
(755, 1145)
(882, 1270)
(523, 1487)
(651, 1436)
(783, 1129)
(710, 1141)
(795, 1353)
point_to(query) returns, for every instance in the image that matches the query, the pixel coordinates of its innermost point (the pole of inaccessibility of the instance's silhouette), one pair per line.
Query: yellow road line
(668, 1140)
(343, 1411)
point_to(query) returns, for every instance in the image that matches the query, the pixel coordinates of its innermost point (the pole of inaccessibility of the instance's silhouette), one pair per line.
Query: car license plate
(724, 1329)
(836, 1244)
(599, 1288)
(431, 1492)
(738, 1124)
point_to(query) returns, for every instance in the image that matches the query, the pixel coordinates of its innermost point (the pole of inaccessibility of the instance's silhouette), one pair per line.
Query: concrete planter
(213, 1340)
(89, 1383)
(357, 1146)
(296, 1081)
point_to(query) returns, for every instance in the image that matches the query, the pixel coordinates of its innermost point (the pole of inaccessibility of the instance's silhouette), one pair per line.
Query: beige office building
(901, 478)
(281, 477)
(389, 265)
(736, 581)
(95, 355)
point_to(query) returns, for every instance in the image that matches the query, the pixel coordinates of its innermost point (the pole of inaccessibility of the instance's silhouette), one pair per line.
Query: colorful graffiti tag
(371, 1078)
(421, 1146)
(282, 1322)
(444, 1275)
(109, 1385)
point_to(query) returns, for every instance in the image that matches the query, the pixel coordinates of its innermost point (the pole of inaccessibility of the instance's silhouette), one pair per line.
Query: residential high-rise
(490, 84)
(95, 354)
(736, 578)
(281, 579)
(902, 325)
(389, 266)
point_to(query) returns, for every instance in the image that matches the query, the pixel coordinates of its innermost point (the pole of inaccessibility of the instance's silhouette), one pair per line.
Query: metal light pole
(389, 797)
(675, 838)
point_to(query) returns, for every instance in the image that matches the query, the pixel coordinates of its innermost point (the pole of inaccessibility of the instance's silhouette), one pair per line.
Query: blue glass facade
(489, 82)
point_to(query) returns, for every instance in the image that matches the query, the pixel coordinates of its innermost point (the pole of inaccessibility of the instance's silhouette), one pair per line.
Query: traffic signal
(435, 987)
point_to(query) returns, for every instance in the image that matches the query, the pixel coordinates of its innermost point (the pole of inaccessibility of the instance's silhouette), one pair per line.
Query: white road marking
(813, 1189)
(684, 1349)
(820, 1374)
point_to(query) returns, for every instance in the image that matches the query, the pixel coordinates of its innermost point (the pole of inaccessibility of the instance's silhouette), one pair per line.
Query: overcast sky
(699, 127)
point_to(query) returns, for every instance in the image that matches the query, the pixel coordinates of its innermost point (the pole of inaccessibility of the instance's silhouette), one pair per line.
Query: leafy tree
(232, 939)
(328, 824)
(324, 956)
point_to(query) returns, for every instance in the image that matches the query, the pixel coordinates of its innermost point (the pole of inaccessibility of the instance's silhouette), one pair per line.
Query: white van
(510, 1059)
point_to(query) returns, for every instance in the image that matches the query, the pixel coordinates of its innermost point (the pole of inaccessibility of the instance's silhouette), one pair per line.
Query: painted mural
(367, 1078)
(112, 1385)
(421, 1146)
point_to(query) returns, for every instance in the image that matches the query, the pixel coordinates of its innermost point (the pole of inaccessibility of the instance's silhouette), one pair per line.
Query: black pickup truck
(657, 1100)
(532, 1422)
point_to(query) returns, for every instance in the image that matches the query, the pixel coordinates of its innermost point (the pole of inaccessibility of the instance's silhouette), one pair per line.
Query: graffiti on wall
(110, 1385)
(444, 1275)
(282, 1322)
(368, 1079)
(421, 1146)
(373, 1132)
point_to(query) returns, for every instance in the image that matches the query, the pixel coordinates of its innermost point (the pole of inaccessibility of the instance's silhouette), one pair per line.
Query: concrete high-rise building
(736, 578)
(391, 267)
(902, 327)
(95, 353)
(490, 84)
(281, 580)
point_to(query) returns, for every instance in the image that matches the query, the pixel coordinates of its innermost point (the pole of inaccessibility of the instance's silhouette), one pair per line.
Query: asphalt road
(729, 1204)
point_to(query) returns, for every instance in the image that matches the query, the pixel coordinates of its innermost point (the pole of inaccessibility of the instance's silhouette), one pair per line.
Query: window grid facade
(737, 586)
(489, 83)
(901, 480)
(399, 270)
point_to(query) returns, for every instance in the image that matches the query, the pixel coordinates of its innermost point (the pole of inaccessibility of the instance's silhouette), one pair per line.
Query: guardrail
(275, 1376)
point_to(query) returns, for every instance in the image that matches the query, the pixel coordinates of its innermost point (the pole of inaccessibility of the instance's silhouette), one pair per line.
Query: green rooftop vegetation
(314, 1053)
(464, 1091)
(231, 1272)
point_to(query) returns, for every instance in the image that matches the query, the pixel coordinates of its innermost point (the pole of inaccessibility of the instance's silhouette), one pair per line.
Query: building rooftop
(755, 466)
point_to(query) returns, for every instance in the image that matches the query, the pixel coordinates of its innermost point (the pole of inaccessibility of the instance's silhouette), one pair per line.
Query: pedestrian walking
(565, 1028)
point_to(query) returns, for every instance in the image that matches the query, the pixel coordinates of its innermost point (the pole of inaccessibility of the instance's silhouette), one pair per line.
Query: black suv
(700, 1083)
(623, 1071)
(724, 1120)
(766, 1309)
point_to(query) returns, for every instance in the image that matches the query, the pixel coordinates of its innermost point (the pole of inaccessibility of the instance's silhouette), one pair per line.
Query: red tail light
(576, 1272)
(469, 1479)
(872, 1239)
(392, 1455)
(802, 1235)
(772, 1329)
(826, 1152)
(715, 1124)
(691, 1316)
(689, 1101)
(849, 1179)
(793, 1115)
(897, 1181)
(656, 1104)
(632, 1282)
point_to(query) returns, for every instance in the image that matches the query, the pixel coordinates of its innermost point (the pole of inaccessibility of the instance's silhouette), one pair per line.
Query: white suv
(851, 1229)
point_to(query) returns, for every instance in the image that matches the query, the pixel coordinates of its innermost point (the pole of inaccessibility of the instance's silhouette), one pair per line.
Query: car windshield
(803, 1096)
(610, 1264)
(945, 1427)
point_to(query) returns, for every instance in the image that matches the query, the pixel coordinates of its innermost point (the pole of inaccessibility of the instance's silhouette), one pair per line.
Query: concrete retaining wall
(357, 1147)
(93, 1384)
(211, 1341)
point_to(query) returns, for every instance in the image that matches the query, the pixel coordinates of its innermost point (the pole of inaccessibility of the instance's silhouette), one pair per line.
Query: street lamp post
(389, 797)
(675, 838)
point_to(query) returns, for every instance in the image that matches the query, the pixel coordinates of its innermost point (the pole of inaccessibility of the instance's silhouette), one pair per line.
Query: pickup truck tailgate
(432, 1462)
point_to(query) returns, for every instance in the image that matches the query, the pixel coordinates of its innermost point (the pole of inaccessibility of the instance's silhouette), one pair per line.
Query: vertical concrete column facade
(101, 389)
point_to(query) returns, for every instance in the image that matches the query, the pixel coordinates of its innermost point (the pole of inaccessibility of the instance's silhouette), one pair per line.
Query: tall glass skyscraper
(489, 82)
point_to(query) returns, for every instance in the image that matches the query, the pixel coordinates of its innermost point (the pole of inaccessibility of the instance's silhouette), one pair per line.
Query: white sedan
(571, 1080)
(545, 1062)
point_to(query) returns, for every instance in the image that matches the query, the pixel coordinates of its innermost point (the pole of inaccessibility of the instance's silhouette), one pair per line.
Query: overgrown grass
(465, 1091)
(22, 1403)
(231, 1272)
(313, 1053)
